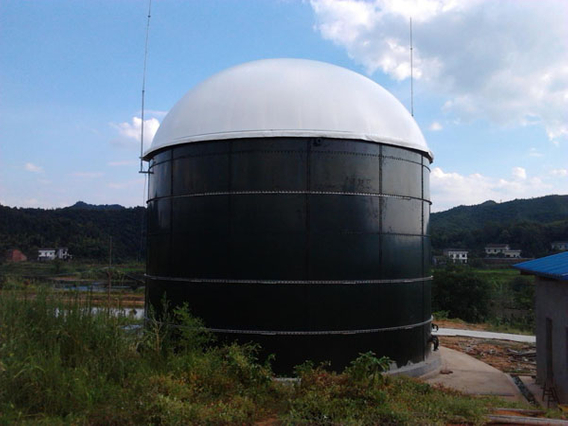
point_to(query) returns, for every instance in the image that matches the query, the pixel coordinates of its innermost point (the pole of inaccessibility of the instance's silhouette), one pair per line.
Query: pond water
(134, 313)
(96, 286)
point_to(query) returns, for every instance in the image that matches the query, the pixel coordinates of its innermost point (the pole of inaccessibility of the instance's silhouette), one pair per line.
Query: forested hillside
(85, 229)
(530, 225)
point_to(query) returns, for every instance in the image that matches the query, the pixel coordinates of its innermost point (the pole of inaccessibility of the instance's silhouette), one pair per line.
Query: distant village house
(456, 255)
(46, 254)
(501, 250)
(559, 245)
(15, 255)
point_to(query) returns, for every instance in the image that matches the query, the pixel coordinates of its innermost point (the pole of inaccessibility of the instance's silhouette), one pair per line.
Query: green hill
(80, 205)
(84, 228)
(530, 224)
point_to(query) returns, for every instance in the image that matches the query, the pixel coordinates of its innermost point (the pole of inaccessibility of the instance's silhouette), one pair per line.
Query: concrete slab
(473, 377)
(431, 365)
(485, 335)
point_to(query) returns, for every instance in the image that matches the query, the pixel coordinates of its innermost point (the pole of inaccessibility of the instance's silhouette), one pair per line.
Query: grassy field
(62, 362)
(70, 278)
(80, 269)
(500, 275)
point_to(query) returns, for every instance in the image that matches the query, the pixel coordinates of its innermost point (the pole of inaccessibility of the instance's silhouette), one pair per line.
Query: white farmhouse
(456, 255)
(45, 254)
(559, 245)
(494, 250)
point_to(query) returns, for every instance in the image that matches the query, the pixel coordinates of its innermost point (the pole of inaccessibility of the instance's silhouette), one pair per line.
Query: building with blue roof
(551, 308)
(554, 267)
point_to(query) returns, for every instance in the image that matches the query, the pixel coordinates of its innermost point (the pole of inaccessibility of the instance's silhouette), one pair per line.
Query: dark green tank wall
(315, 248)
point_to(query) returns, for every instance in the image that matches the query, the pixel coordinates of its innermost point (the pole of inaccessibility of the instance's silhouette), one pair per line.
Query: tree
(462, 293)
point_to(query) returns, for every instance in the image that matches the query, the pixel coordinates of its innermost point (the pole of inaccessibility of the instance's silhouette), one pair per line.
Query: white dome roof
(291, 98)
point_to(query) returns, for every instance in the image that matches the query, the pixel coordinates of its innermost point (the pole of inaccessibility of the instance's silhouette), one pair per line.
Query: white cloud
(559, 172)
(88, 175)
(519, 173)
(129, 132)
(502, 61)
(31, 167)
(452, 189)
(535, 153)
(435, 126)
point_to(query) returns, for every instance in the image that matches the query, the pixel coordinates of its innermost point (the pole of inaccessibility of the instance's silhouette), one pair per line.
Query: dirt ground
(510, 357)
(459, 324)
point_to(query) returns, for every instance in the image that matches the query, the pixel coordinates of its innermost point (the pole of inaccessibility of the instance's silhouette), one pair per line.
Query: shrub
(462, 293)
(368, 368)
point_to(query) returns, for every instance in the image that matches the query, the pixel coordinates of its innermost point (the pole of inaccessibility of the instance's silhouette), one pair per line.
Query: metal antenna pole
(144, 89)
(411, 74)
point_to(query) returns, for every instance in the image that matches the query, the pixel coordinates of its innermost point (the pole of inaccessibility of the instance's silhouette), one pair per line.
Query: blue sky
(491, 86)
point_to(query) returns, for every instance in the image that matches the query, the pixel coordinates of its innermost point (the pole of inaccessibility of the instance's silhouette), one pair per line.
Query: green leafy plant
(440, 315)
(368, 368)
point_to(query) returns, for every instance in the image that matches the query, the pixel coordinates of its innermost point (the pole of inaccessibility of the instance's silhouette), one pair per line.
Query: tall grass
(63, 362)
(69, 361)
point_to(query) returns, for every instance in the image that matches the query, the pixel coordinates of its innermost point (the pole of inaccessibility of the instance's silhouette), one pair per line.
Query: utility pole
(109, 270)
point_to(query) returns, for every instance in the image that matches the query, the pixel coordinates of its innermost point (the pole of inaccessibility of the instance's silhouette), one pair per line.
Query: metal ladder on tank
(549, 391)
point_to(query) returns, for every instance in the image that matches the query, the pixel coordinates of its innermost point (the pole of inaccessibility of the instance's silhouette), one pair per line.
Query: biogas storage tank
(289, 205)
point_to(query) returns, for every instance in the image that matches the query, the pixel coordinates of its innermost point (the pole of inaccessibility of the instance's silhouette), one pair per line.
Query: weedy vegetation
(500, 298)
(64, 362)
